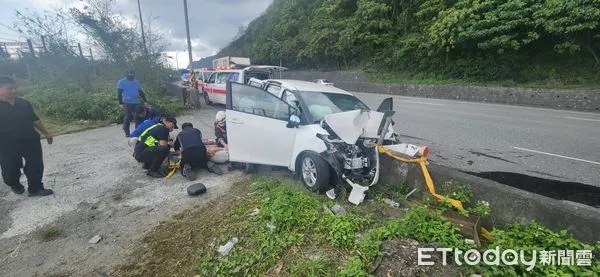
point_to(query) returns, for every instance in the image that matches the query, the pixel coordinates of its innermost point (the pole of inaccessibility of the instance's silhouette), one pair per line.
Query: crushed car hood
(352, 125)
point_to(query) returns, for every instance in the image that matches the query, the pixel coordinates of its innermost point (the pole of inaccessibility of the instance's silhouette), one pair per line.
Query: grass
(405, 78)
(57, 128)
(306, 240)
(48, 234)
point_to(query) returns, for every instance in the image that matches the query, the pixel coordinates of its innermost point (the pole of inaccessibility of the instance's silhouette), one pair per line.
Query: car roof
(307, 86)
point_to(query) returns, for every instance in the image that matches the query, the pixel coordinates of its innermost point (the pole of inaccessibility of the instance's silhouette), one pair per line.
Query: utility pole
(91, 56)
(187, 28)
(80, 52)
(31, 51)
(44, 44)
(279, 45)
(142, 26)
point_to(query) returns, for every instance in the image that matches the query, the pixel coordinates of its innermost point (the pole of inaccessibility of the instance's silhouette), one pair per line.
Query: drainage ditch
(560, 190)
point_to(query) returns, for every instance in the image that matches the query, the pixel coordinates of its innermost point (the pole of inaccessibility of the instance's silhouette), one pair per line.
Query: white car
(323, 82)
(323, 133)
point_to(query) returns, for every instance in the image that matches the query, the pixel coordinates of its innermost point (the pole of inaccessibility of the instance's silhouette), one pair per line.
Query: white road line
(424, 103)
(555, 155)
(580, 118)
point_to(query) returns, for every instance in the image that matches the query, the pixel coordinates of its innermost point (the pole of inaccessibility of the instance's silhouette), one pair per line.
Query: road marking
(555, 155)
(424, 103)
(580, 118)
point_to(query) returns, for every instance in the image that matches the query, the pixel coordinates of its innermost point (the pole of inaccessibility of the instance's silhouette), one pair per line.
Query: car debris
(224, 249)
(337, 209)
(95, 239)
(391, 202)
(255, 212)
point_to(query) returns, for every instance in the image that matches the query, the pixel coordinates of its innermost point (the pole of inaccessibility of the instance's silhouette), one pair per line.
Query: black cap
(187, 124)
(173, 120)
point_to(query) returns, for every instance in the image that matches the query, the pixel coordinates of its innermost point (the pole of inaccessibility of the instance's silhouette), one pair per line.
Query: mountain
(492, 40)
(202, 63)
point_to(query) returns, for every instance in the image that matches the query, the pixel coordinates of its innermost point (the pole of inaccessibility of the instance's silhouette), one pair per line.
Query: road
(478, 137)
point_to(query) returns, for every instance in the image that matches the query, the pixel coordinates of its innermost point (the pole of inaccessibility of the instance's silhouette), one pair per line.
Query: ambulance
(214, 89)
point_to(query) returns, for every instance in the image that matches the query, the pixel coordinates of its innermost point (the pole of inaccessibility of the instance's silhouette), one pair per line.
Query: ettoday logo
(508, 257)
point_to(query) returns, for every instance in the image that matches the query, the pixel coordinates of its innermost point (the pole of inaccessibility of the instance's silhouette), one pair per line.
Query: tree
(575, 22)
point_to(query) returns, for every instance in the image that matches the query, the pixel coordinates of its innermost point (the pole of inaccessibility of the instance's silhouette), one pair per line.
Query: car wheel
(314, 172)
(207, 99)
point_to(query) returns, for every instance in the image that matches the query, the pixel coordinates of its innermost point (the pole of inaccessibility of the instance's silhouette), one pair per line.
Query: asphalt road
(479, 137)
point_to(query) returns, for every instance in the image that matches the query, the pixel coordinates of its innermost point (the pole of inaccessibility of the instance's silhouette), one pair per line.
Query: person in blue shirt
(130, 96)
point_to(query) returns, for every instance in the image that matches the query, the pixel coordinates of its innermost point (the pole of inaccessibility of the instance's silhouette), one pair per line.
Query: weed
(353, 268)
(342, 229)
(311, 267)
(534, 236)
(48, 234)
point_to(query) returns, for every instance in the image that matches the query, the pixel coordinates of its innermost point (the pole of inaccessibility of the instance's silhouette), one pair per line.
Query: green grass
(407, 78)
(306, 240)
(48, 234)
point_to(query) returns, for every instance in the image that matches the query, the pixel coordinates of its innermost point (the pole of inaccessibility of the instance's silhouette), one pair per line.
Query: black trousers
(152, 157)
(195, 156)
(128, 116)
(11, 161)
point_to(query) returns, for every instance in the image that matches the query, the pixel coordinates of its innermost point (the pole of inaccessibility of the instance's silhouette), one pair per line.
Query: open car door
(257, 129)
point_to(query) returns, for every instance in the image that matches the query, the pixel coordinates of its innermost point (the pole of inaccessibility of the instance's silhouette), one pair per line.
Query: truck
(231, 62)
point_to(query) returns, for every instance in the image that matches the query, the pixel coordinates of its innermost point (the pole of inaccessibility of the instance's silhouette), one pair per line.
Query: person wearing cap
(19, 141)
(153, 146)
(130, 95)
(193, 151)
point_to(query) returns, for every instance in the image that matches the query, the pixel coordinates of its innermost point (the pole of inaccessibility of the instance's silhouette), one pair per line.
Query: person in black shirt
(19, 140)
(143, 113)
(193, 151)
(153, 146)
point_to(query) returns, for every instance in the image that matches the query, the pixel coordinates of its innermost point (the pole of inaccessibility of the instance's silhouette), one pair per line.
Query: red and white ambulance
(214, 90)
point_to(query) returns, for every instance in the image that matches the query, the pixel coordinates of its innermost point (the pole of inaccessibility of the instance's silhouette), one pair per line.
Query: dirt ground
(99, 190)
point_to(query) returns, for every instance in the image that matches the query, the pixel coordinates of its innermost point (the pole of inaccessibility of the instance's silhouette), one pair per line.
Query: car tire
(207, 99)
(314, 172)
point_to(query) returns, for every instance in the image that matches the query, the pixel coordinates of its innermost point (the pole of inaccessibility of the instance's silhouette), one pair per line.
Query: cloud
(213, 23)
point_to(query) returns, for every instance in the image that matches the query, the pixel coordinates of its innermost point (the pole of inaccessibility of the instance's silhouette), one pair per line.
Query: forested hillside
(522, 41)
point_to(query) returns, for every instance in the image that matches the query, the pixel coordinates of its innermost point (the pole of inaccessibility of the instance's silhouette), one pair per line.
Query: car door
(210, 85)
(257, 129)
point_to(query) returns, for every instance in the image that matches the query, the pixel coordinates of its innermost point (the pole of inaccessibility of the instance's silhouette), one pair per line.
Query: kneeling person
(193, 151)
(153, 146)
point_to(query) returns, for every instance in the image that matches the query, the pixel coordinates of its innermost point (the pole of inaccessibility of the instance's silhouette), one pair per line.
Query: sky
(213, 23)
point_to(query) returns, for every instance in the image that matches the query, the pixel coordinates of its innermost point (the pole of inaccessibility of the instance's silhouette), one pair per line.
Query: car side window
(212, 78)
(234, 76)
(274, 89)
(253, 100)
(289, 98)
(222, 78)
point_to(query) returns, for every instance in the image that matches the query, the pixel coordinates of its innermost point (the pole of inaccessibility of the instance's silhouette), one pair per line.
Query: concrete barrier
(508, 204)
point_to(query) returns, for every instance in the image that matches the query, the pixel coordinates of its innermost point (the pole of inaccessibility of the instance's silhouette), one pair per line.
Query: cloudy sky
(213, 23)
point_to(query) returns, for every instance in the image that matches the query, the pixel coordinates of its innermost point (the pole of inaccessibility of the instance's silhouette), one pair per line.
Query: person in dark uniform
(153, 146)
(193, 151)
(130, 96)
(143, 113)
(19, 140)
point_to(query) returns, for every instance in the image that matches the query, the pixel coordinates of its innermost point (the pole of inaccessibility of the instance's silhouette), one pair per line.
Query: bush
(68, 104)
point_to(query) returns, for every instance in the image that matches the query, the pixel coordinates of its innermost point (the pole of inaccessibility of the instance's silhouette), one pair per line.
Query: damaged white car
(322, 133)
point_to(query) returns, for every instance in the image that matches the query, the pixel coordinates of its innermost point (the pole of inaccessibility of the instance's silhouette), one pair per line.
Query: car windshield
(321, 104)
